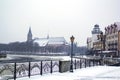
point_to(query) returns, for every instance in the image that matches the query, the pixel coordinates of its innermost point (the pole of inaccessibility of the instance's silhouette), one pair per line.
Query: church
(48, 44)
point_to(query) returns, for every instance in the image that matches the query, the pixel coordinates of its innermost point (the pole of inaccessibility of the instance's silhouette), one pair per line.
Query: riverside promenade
(32, 66)
(89, 73)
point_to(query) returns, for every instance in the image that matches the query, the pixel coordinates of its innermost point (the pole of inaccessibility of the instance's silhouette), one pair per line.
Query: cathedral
(48, 42)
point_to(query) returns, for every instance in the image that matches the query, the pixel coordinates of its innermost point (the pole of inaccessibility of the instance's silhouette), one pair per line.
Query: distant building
(48, 44)
(91, 40)
(89, 43)
(51, 41)
(29, 35)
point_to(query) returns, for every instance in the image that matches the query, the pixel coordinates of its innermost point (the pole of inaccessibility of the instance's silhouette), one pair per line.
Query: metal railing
(17, 69)
(23, 69)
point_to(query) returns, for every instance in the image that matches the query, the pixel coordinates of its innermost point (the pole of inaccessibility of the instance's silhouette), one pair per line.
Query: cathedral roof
(51, 41)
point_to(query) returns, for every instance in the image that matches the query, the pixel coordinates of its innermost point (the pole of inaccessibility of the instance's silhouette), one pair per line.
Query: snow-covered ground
(89, 73)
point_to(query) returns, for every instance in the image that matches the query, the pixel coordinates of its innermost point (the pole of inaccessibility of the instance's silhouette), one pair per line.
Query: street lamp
(101, 37)
(71, 63)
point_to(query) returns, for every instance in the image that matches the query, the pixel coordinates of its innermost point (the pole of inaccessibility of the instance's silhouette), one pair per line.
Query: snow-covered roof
(56, 40)
(42, 42)
(50, 41)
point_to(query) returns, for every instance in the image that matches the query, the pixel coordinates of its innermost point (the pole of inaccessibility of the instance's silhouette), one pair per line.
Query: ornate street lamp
(71, 62)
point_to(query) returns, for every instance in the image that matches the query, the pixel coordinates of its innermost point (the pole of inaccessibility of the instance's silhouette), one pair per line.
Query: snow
(50, 41)
(42, 42)
(89, 73)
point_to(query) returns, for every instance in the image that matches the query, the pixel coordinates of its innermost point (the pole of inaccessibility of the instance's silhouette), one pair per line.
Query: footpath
(89, 73)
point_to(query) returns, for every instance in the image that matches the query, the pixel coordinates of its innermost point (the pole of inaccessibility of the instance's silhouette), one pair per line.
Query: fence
(19, 69)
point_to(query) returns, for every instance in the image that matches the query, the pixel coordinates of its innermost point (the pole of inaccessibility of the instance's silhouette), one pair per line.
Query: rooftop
(51, 41)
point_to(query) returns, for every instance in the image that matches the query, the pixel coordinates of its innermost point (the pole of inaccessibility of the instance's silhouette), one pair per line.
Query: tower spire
(29, 36)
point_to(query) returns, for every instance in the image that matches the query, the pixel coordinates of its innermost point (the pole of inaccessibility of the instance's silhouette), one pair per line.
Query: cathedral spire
(29, 36)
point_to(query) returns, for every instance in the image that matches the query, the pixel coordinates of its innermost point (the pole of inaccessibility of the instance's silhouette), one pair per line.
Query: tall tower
(96, 30)
(29, 35)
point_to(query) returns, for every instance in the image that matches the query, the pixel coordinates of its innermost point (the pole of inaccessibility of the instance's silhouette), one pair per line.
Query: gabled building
(52, 44)
(112, 33)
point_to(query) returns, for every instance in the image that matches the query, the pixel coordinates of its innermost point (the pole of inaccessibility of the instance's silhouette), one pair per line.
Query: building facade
(107, 43)
(112, 33)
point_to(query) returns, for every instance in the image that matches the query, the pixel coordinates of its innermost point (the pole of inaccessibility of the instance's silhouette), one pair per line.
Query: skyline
(62, 18)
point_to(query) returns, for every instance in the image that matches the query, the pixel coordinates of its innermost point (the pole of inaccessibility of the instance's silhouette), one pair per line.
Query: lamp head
(72, 38)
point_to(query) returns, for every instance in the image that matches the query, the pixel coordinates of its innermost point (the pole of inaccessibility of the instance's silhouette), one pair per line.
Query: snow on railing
(17, 69)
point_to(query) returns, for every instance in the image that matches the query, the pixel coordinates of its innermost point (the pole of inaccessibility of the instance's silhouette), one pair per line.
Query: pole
(29, 69)
(71, 65)
(15, 71)
(41, 68)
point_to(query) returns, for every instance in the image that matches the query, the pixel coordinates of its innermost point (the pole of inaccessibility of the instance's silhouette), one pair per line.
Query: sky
(58, 18)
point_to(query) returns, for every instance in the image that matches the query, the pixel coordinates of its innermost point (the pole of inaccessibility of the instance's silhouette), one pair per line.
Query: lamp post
(71, 62)
(101, 37)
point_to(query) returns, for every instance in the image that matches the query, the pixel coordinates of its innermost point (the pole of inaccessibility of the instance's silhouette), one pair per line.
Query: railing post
(15, 71)
(80, 63)
(93, 62)
(59, 66)
(41, 68)
(75, 64)
(100, 62)
(89, 63)
(29, 69)
(85, 63)
(51, 67)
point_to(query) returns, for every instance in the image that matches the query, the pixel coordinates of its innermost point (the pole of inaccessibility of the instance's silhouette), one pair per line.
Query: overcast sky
(58, 18)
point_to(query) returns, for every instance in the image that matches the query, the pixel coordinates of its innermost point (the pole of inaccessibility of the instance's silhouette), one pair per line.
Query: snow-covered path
(89, 73)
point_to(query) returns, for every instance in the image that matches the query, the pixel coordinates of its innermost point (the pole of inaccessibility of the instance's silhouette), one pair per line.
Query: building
(112, 33)
(91, 41)
(48, 44)
(108, 43)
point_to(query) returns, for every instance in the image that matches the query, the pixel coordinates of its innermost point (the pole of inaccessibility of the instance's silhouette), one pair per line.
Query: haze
(58, 18)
